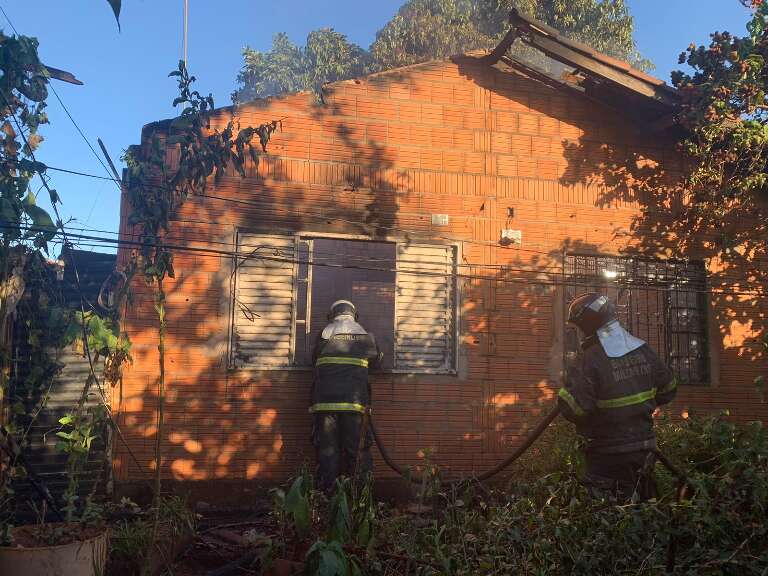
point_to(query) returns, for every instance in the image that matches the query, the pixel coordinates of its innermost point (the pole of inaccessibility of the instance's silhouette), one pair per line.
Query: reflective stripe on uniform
(571, 401)
(342, 360)
(337, 407)
(630, 400)
(669, 387)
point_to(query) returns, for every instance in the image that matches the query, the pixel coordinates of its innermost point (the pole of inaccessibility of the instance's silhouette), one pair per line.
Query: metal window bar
(672, 320)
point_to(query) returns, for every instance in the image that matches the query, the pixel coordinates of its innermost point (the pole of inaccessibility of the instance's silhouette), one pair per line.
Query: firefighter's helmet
(591, 312)
(341, 307)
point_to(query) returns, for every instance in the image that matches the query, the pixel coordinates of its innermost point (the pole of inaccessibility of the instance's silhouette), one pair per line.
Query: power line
(90, 240)
(72, 119)
(9, 21)
(318, 258)
(82, 134)
(319, 216)
(261, 206)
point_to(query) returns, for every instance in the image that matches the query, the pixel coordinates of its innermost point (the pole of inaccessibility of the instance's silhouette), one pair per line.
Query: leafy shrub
(551, 526)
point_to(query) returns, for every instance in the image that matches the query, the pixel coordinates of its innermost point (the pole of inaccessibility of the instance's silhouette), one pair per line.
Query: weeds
(548, 525)
(131, 537)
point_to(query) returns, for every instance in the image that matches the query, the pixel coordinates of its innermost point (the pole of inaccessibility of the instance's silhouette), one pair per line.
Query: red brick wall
(380, 157)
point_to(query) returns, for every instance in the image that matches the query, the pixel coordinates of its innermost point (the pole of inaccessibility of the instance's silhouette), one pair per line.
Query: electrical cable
(213, 252)
(558, 273)
(319, 216)
(414, 272)
(74, 123)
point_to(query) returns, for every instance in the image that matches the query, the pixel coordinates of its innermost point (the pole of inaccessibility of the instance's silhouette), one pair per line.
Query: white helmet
(341, 307)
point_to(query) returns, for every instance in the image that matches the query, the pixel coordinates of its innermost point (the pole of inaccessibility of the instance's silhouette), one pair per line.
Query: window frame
(574, 281)
(454, 286)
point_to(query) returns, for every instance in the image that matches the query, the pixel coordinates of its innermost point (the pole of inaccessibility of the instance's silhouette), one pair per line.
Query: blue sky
(125, 73)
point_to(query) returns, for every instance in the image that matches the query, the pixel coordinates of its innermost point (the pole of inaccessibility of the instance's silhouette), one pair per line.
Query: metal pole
(186, 28)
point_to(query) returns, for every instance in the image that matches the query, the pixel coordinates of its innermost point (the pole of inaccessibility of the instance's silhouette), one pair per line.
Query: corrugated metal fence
(41, 455)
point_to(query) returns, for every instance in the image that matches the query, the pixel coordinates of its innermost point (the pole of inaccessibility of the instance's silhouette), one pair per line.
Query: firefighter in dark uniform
(611, 394)
(341, 396)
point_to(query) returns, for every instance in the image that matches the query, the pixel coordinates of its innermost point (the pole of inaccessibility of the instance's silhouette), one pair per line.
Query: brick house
(460, 204)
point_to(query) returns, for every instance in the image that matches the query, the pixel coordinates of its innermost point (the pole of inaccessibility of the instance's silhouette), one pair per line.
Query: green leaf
(64, 420)
(65, 435)
(40, 220)
(29, 200)
(294, 495)
(341, 528)
(301, 516)
(116, 5)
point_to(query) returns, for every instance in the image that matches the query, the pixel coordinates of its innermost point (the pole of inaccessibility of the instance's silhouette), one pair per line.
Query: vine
(155, 193)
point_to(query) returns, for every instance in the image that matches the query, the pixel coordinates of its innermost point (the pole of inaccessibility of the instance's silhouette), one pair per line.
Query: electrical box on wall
(440, 219)
(509, 237)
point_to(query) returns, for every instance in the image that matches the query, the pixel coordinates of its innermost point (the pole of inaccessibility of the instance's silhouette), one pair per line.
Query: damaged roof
(599, 77)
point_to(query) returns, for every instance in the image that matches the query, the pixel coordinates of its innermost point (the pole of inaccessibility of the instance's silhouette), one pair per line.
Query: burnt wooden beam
(635, 122)
(578, 55)
(516, 18)
(62, 75)
(566, 55)
(500, 50)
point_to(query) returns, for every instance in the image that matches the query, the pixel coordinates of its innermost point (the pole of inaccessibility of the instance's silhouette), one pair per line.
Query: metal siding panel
(41, 454)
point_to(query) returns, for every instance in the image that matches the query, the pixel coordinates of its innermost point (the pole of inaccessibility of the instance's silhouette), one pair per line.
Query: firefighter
(611, 394)
(341, 396)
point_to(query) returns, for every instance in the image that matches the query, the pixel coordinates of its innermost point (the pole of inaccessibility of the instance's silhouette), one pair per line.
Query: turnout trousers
(621, 476)
(337, 439)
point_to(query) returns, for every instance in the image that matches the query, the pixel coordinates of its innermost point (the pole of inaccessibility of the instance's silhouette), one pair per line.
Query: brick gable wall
(378, 159)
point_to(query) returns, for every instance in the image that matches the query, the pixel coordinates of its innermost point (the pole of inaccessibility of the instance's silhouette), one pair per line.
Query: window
(405, 294)
(662, 302)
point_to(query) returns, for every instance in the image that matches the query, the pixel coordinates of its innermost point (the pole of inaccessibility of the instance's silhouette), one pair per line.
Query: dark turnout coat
(343, 354)
(612, 400)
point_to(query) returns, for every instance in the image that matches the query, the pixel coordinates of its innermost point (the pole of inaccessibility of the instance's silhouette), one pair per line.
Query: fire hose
(530, 439)
(519, 451)
(682, 480)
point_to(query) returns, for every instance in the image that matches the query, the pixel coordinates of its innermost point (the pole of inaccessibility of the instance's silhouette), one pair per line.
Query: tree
(429, 29)
(328, 56)
(725, 114)
(425, 30)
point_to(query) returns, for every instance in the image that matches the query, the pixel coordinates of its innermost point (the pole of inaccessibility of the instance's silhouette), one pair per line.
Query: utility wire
(91, 240)
(319, 258)
(262, 207)
(84, 137)
(74, 123)
(9, 21)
